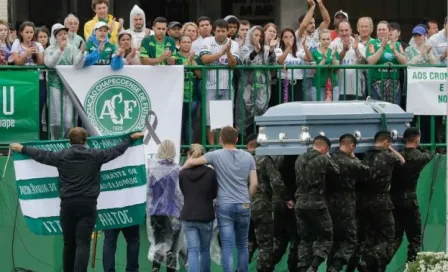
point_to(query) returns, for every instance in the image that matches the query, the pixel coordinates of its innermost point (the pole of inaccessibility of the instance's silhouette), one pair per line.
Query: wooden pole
(93, 257)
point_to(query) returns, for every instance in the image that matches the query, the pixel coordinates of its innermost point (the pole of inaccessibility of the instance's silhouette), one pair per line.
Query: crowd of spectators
(229, 42)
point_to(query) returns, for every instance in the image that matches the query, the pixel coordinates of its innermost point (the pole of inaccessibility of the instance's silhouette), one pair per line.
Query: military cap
(348, 135)
(411, 132)
(251, 137)
(386, 133)
(323, 138)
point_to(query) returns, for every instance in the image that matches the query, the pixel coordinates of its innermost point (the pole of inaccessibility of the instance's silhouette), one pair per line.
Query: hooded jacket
(88, 28)
(106, 57)
(137, 35)
(199, 187)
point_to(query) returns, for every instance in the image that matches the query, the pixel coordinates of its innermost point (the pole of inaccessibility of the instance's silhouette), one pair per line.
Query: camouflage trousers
(408, 220)
(285, 232)
(252, 240)
(264, 233)
(315, 230)
(361, 238)
(344, 236)
(378, 248)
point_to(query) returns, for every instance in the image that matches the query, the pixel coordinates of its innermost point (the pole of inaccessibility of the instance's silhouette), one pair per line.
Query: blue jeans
(199, 237)
(132, 236)
(233, 223)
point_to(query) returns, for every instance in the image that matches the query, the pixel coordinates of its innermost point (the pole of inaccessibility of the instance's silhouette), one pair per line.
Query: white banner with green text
(135, 98)
(426, 90)
(122, 198)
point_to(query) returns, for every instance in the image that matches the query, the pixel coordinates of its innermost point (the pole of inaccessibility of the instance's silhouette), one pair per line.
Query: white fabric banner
(135, 98)
(426, 91)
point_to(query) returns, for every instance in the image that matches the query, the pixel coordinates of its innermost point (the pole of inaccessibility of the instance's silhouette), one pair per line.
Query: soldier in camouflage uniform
(314, 223)
(270, 191)
(251, 145)
(404, 196)
(341, 199)
(378, 249)
(285, 222)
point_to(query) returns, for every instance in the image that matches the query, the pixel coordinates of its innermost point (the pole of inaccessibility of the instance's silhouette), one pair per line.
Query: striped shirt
(439, 44)
(222, 79)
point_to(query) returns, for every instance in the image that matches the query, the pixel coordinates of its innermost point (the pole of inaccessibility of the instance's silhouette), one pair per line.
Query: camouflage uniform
(314, 223)
(341, 199)
(404, 198)
(252, 240)
(285, 222)
(378, 248)
(360, 230)
(270, 190)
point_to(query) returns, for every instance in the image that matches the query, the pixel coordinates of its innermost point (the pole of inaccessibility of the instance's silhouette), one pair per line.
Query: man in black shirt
(79, 176)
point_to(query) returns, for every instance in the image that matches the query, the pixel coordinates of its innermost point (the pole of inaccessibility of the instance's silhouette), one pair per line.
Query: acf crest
(117, 104)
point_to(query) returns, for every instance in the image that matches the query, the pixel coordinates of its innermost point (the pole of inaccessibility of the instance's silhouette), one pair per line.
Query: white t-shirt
(209, 46)
(296, 74)
(18, 48)
(350, 74)
(313, 43)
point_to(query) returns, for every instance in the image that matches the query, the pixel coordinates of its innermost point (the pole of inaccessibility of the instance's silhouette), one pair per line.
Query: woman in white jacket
(61, 52)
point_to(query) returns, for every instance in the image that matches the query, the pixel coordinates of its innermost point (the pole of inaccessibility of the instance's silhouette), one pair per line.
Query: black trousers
(285, 232)
(77, 222)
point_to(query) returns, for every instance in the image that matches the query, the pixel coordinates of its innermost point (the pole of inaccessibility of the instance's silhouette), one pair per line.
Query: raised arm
(325, 15)
(42, 156)
(105, 156)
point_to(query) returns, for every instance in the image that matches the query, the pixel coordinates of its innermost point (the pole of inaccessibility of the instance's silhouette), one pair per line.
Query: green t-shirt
(151, 48)
(324, 72)
(188, 77)
(387, 57)
(105, 55)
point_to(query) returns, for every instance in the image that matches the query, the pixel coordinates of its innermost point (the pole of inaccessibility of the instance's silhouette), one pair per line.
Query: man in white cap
(340, 16)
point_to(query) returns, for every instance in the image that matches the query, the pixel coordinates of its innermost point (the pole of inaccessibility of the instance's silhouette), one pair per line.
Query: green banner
(19, 106)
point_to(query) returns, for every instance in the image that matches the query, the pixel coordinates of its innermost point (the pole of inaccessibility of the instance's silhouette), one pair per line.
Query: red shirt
(333, 34)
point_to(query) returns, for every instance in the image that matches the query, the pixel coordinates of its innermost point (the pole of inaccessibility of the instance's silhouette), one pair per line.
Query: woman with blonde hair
(164, 202)
(5, 43)
(199, 187)
(190, 29)
(419, 50)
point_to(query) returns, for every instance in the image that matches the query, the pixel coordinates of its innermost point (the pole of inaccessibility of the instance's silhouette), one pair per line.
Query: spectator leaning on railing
(219, 51)
(351, 52)
(129, 52)
(60, 52)
(439, 43)
(383, 50)
(100, 51)
(419, 50)
(72, 23)
(5, 43)
(255, 92)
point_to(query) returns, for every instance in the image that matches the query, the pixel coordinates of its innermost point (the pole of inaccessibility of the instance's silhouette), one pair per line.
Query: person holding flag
(79, 176)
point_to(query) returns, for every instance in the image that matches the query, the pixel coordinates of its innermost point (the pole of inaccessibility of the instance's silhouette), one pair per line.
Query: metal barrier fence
(255, 88)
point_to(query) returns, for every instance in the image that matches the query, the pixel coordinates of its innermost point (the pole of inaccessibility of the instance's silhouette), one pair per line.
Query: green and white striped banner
(121, 203)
